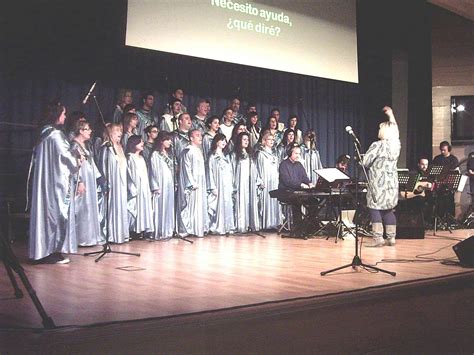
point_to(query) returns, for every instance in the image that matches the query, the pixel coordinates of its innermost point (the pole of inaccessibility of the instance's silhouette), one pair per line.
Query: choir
(144, 179)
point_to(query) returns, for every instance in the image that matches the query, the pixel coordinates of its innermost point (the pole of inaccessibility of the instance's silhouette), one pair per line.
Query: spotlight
(460, 108)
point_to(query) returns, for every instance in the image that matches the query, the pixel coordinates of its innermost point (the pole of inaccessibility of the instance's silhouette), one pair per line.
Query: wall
(452, 44)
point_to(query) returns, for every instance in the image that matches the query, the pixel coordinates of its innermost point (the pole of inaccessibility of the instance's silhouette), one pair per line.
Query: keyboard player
(292, 177)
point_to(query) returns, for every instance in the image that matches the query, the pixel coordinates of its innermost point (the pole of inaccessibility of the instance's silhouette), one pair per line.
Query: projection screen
(311, 37)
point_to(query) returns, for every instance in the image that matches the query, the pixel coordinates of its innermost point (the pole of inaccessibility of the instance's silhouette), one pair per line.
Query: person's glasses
(154, 131)
(87, 129)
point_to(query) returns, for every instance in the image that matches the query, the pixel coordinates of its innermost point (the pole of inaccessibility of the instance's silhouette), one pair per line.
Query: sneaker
(376, 242)
(63, 261)
(390, 241)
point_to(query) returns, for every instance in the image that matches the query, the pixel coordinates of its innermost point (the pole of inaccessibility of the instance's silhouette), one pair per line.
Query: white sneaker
(376, 242)
(390, 241)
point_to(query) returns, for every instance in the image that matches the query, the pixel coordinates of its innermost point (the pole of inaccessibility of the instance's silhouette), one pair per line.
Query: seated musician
(293, 177)
(470, 173)
(342, 162)
(446, 198)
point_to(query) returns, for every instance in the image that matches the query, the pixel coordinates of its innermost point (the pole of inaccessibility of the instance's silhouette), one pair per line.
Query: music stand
(449, 184)
(407, 181)
(332, 179)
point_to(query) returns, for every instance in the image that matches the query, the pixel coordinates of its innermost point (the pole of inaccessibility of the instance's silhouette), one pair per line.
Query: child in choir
(267, 169)
(220, 178)
(86, 207)
(140, 211)
(113, 165)
(162, 187)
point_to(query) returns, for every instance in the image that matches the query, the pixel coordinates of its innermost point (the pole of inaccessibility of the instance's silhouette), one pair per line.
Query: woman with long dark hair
(140, 213)
(286, 143)
(162, 187)
(220, 178)
(212, 124)
(54, 185)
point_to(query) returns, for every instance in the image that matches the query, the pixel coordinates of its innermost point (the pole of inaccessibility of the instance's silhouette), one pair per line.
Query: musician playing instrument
(293, 177)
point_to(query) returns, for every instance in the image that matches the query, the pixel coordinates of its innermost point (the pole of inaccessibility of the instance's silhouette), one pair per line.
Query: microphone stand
(175, 169)
(357, 261)
(106, 249)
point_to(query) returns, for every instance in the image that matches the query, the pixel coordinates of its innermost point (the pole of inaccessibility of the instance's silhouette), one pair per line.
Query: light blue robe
(118, 114)
(161, 178)
(193, 218)
(311, 161)
(206, 144)
(180, 141)
(145, 119)
(53, 188)
(241, 192)
(114, 169)
(86, 206)
(140, 212)
(220, 189)
(267, 170)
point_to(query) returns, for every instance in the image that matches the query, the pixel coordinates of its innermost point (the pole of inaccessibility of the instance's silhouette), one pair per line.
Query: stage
(179, 287)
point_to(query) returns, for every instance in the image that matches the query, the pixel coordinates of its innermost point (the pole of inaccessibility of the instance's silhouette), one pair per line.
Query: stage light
(461, 108)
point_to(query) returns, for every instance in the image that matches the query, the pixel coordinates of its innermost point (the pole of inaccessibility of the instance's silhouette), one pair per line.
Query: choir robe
(147, 150)
(126, 136)
(161, 178)
(206, 144)
(199, 124)
(166, 123)
(114, 168)
(241, 192)
(145, 119)
(219, 186)
(140, 212)
(86, 206)
(51, 216)
(192, 210)
(254, 193)
(180, 141)
(118, 114)
(267, 169)
(282, 152)
(311, 161)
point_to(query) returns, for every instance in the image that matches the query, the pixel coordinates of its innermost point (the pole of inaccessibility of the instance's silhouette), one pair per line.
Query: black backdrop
(58, 48)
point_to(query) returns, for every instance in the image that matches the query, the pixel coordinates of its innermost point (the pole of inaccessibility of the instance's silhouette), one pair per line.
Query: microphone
(89, 93)
(351, 132)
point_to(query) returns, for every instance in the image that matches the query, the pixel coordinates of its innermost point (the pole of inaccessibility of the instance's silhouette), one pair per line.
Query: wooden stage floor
(216, 272)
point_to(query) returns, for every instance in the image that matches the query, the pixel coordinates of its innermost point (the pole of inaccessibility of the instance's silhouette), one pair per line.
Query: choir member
(272, 126)
(54, 181)
(267, 180)
(177, 93)
(286, 143)
(151, 134)
(219, 177)
(130, 127)
(146, 117)
(311, 159)
(293, 124)
(241, 161)
(199, 120)
(86, 206)
(124, 98)
(192, 190)
(253, 127)
(140, 213)
(212, 124)
(275, 112)
(162, 187)
(235, 107)
(382, 194)
(169, 120)
(227, 123)
(113, 166)
(238, 128)
(181, 135)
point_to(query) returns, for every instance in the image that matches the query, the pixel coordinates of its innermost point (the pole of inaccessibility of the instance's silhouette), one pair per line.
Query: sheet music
(332, 174)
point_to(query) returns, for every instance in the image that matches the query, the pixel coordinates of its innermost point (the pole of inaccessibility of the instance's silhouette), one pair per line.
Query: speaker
(410, 225)
(465, 251)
